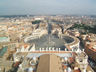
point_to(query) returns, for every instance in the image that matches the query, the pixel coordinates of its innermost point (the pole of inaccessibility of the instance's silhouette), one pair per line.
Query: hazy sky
(15, 7)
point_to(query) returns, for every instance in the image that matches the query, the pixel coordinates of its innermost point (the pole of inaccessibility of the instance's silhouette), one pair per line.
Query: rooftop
(31, 55)
(49, 63)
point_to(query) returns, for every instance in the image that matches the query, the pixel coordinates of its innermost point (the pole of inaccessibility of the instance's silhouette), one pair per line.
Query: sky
(35, 7)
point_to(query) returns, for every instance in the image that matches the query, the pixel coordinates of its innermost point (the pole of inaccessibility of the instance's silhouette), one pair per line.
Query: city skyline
(21, 7)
